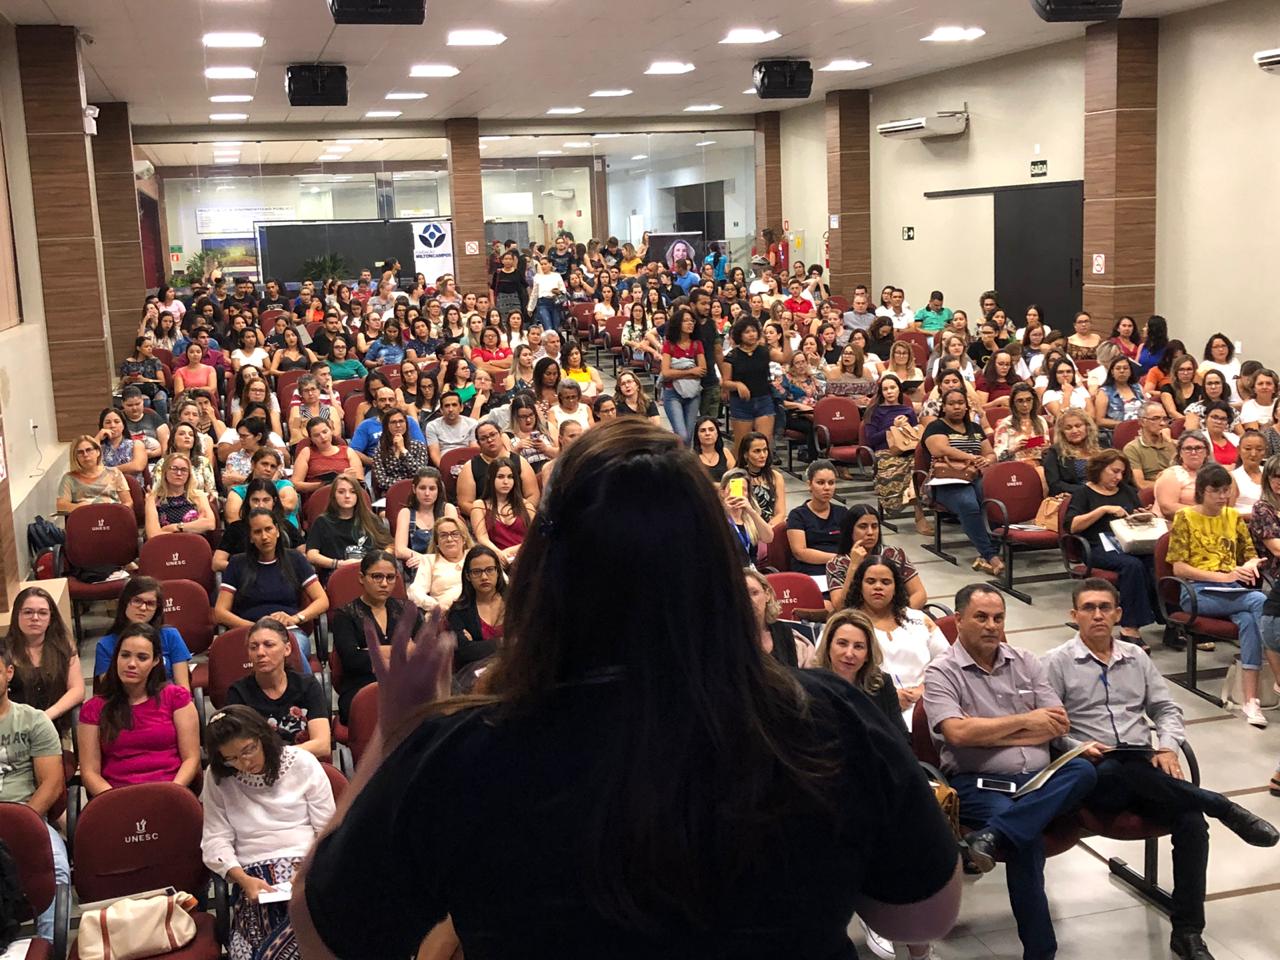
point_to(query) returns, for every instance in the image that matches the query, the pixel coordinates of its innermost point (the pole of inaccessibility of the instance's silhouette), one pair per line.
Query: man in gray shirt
(1113, 693)
(859, 318)
(451, 430)
(993, 715)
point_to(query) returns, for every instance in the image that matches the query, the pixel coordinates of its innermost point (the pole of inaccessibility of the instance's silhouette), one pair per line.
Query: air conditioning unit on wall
(559, 194)
(946, 123)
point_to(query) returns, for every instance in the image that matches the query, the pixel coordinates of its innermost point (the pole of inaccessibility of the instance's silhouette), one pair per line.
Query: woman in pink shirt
(140, 728)
(196, 374)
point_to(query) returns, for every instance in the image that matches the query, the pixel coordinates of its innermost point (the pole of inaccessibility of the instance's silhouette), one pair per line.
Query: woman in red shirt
(683, 363)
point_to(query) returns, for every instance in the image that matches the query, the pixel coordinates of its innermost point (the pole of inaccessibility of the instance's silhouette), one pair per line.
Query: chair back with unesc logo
(139, 837)
(178, 556)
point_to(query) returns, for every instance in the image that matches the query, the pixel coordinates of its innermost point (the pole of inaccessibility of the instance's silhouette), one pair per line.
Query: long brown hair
(716, 739)
(370, 524)
(51, 674)
(117, 713)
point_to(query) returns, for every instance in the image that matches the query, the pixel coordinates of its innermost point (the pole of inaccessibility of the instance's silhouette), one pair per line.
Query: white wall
(1016, 103)
(641, 191)
(804, 178)
(26, 390)
(1218, 175)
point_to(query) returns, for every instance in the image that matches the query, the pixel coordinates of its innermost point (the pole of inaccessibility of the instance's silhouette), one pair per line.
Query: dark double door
(1039, 239)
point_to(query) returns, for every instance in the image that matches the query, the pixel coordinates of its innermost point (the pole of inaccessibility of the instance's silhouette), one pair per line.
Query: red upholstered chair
(1147, 496)
(228, 662)
(139, 497)
(347, 389)
(178, 556)
(318, 501)
(1077, 554)
(795, 591)
(337, 780)
(268, 318)
(397, 496)
(1012, 493)
(98, 535)
(612, 339)
(25, 834)
(364, 720)
(1124, 433)
(187, 610)
(837, 425)
(286, 387)
(584, 324)
(145, 837)
(392, 372)
(1176, 426)
(451, 465)
(1190, 626)
(778, 557)
(349, 407)
(916, 338)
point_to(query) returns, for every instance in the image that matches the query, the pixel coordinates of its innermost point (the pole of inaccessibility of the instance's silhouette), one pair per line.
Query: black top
(480, 475)
(751, 369)
(437, 830)
(1180, 404)
(467, 628)
(1063, 475)
(352, 648)
(886, 700)
(819, 534)
(1084, 499)
(720, 469)
(970, 441)
(625, 411)
(235, 539)
(302, 702)
(705, 333)
(339, 539)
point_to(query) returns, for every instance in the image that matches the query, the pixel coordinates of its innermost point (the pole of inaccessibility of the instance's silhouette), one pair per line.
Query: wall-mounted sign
(472, 247)
(238, 221)
(833, 221)
(1099, 263)
(908, 233)
(1039, 168)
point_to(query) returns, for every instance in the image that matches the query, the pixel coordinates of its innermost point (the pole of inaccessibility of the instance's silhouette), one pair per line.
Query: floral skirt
(893, 480)
(261, 931)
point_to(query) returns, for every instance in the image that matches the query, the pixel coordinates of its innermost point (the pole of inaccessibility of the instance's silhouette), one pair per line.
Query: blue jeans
(1241, 607)
(1271, 634)
(547, 314)
(965, 501)
(61, 874)
(160, 404)
(1019, 825)
(304, 648)
(682, 412)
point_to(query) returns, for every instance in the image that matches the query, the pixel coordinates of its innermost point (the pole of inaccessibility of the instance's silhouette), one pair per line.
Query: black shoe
(1172, 641)
(1249, 827)
(982, 849)
(1189, 946)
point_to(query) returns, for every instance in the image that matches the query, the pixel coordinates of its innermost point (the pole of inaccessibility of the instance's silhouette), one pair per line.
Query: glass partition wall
(533, 187)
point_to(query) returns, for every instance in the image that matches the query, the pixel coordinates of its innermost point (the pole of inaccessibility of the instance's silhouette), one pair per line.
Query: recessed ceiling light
(641, 156)
(382, 114)
(702, 108)
(231, 98)
(668, 67)
(433, 70)
(704, 143)
(226, 153)
(227, 143)
(623, 92)
(550, 153)
(608, 136)
(228, 116)
(750, 91)
(230, 73)
(475, 38)
(564, 111)
(954, 34)
(845, 65)
(405, 95)
(750, 35)
(577, 144)
(329, 157)
(348, 141)
(493, 139)
(232, 40)
(225, 160)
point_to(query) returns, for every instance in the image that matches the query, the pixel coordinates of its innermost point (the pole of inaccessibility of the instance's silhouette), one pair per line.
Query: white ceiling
(148, 52)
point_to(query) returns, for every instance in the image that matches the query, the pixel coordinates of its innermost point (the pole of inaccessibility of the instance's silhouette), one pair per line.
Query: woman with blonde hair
(850, 650)
(438, 581)
(88, 480)
(1066, 462)
(174, 505)
(776, 638)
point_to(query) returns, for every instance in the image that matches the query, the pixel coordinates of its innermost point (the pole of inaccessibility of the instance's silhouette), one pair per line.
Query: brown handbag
(902, 439)
(1047, 514)
(944, 469)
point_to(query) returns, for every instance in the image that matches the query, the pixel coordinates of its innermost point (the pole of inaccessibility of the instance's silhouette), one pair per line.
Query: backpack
(13, 902)
(45, 540)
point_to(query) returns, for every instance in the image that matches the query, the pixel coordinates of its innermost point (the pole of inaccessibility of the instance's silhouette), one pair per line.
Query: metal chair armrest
(822, 439)
(1003, 525)
(1193, 765)
(937, 610)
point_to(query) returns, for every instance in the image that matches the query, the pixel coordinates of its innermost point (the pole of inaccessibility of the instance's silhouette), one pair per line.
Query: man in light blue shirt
(684, 278)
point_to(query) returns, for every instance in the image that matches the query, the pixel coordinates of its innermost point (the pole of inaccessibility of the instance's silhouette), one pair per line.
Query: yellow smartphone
(738, 487)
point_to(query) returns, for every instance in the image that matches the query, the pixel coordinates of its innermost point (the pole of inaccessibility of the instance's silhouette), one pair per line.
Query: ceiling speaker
(783, 79)
(1077, 11)
(316, 84)
(412, 12)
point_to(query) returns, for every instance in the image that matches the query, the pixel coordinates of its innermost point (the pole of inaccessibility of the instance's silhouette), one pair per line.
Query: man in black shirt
(322, 342)
(563, 257)
(985, 347)
(303, 303)
(274, 298)
(706, 334)
(244, 298)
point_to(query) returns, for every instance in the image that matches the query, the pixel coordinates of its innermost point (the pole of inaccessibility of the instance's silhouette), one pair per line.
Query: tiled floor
(1098, 918)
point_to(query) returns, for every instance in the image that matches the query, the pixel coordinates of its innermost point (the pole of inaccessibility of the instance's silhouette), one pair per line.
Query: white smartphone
(999, 786)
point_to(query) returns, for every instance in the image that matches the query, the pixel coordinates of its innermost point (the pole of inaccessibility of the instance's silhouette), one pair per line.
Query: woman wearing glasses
(142, 601)
(374, 610)
(264, 806)
(1176, 486)
(438, 582)
(476, 616)
(46, 667)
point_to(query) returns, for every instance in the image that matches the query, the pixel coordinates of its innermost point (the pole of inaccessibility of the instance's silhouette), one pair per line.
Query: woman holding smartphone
(749, 528)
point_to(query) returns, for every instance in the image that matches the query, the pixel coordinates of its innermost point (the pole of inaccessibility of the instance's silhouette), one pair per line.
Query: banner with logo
(433, 248)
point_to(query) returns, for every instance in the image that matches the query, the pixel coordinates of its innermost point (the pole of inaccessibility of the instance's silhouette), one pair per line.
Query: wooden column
(118, 224)
(1121, 61)
(769, 173)
(10, 572)
(599, 200)
(849, 188)
(467, 207)
(66, 213)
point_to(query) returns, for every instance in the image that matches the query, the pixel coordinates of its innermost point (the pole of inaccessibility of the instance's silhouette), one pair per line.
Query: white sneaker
(927, 955)
(1253, 713)
(880, 946)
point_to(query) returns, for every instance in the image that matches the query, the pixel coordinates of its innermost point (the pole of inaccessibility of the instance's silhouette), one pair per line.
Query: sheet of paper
(821, 581)
(282, 893)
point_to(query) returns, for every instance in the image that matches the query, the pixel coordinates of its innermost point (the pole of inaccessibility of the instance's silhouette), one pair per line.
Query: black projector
(316, 84)
(412, 12)
(1077, 11)
(782, 79)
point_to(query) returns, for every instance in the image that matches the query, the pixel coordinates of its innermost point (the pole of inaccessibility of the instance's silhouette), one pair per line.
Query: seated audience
(451, 430)
(325, 459)
(118, 449)
(1065, 392)
(46, 665)
(993, 714)
(1151, 452)
(813, 528)
(1264, 522)
(777, 639)
(1220, 357)
(145, 371)
(398, 456)
(438, 580)
(569, 406)
(415, 524)
(1067, 459)
(891, 419)
(501, 518)
(860, 537)
(374, 614)
(708, 444)
(346, 531)
(631, 398)
(89, 480)
(139, 727)
(1182, 391)
(264, 807)
(293, 704)
(1259, 411)
(174, 505)
(311, 404)
(744, 517)
(258, 494)
(766, 485)
(364, 441)
(1215, 388)
(997, 379)
(850, 650)
(1217, 419)
(1176, 486)
(1210, 546)
(1119, 712)
(142, 601)
(956, 440)
(476, 617)
(473, 479)
(187, 440)
(1121, 398)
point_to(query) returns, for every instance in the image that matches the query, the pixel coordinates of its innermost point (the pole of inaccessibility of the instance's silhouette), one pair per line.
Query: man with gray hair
(1151, 451)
